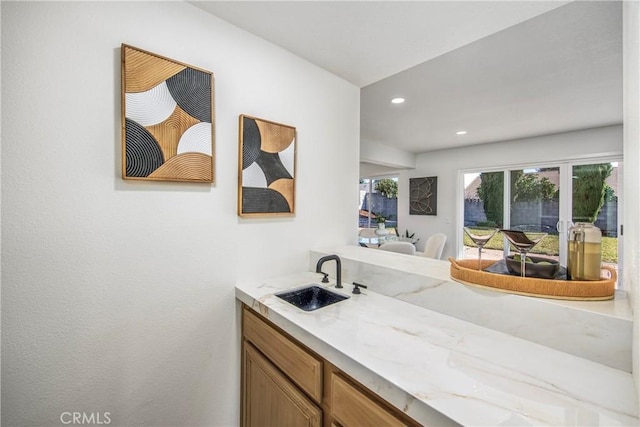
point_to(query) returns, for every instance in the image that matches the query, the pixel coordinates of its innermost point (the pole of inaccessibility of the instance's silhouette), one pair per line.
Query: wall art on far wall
(167, 119)
(423, 196)
(266, 168)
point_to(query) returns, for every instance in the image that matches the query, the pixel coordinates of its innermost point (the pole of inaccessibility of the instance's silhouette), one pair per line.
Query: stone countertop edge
(444, 371)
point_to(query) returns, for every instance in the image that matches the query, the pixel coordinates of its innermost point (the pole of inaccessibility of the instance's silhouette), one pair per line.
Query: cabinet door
(350, 407)
(270, 399)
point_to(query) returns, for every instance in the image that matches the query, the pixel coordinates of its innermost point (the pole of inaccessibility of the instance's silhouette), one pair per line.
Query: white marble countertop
(440, 269)
(441, 370)
(601, 331)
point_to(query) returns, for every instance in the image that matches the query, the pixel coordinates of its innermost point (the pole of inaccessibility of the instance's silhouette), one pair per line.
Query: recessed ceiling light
(397, 100)
(461, 132)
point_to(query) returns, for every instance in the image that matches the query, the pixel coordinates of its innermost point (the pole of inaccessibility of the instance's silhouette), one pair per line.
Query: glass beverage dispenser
(585, 252)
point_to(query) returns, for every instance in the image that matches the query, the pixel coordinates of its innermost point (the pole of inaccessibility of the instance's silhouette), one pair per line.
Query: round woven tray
(466, 271)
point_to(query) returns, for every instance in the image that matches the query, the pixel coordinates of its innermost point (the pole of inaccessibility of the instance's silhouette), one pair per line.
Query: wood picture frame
(266, 168)
(168, 127)
(423, 196)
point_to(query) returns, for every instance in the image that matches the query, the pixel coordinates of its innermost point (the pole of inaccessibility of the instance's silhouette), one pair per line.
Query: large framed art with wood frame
(167, 119)
(266, 168)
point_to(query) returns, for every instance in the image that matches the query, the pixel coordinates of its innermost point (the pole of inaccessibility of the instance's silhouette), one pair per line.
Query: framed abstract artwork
(266, 168)
(423, 196)
(167, 119)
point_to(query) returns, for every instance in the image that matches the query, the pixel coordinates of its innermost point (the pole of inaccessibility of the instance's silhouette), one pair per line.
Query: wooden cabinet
(270, 398)
(286, 384)
(281, 381)
(300, 365)
(351, 407)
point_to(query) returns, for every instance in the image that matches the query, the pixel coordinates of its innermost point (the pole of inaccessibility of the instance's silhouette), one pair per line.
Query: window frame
(372, 178)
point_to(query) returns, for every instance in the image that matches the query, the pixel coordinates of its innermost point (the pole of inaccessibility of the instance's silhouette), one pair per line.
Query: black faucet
(338, 268)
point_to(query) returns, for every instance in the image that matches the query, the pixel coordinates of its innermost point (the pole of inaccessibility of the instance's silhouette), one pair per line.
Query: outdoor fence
(380, 205)
(543, 214)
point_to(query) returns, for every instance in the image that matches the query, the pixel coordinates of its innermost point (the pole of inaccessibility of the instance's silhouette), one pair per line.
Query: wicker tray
(466, 272)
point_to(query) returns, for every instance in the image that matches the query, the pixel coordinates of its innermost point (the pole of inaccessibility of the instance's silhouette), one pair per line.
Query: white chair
(400, 247)
(434, 246)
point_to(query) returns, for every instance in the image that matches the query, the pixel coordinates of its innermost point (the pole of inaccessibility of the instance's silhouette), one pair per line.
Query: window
(546, 198)
(378, 197)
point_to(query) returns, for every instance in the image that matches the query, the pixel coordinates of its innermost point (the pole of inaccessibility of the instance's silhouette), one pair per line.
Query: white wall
(368, 170)
(118, 296)
(386, 155)
(445, 164)
(631, 82)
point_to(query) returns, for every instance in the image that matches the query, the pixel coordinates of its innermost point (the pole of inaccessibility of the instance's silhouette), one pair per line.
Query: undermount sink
(311, 297)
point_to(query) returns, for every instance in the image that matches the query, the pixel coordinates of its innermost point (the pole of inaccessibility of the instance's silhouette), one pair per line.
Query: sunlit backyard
(549, 245)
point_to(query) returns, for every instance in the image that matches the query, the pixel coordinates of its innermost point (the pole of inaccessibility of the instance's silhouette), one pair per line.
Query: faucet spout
(338, 267)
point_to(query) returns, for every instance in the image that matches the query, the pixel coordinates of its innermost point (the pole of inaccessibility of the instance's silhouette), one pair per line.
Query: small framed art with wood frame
(266, 168)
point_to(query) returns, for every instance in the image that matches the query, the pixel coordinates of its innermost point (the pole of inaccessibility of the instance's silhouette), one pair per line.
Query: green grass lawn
(550, 245)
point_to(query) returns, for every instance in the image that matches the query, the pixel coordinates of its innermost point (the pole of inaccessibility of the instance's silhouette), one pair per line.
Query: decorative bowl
(539, 267)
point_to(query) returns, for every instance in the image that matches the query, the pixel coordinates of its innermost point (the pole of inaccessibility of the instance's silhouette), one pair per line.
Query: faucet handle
(325, 279)
(356, 288)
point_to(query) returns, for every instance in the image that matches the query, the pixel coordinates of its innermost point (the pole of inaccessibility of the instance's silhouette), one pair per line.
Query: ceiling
(500, 70)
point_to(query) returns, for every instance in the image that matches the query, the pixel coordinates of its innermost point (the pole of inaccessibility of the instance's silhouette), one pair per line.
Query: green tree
(529, 188)
(490, 192)
(609, 194)
(589, 190)
(387, 187)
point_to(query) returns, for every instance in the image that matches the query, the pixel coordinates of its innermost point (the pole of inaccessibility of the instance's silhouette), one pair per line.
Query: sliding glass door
(534, 205)
(596, 192)
(544, 198)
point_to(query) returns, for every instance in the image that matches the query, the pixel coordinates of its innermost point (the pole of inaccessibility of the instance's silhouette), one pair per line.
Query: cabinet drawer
(302, 367)
(351, 407)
